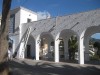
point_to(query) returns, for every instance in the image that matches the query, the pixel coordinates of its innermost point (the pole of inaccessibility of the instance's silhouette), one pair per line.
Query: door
(28, 51)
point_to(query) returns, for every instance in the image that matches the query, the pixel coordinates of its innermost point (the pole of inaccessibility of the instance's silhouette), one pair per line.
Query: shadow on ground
(46, 68)
(93, 62)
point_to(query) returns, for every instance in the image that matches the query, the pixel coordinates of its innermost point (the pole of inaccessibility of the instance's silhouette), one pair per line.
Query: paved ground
(32, 67)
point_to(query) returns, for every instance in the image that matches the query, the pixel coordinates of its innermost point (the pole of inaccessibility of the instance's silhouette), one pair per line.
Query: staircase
(24, 43)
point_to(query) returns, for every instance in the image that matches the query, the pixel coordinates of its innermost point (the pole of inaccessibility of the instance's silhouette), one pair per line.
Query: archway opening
(30, 48)
(90, 45)
(94, 47)
(61, 49)
(46, 47)
(68, 46)
(73, 48)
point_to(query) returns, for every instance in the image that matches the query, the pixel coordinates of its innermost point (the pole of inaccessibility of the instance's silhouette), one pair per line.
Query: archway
(46, 47)
(30, 48)
(94, 47)
(88, 43)
(67, 39)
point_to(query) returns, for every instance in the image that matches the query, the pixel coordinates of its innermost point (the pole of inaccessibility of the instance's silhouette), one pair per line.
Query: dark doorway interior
(28, 51)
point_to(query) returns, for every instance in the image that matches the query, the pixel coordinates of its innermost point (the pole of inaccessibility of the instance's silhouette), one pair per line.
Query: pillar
(86, 53)
(37, 44)
(81, 50)
(13, 47)
(21, 53)
(56, 50)
(66, 48)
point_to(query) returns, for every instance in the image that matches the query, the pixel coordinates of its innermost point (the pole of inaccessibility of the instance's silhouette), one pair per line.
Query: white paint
(21, 51)
(21, 17)
(37, 43)
(64, 22)
(57, 48)
(81, 50)
(24, 15)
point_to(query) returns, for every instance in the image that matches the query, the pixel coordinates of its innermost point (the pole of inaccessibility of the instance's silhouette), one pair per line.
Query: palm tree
(72, 43)
(4, 37)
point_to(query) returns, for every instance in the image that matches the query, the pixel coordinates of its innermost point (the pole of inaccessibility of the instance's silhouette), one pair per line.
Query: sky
(57, 7)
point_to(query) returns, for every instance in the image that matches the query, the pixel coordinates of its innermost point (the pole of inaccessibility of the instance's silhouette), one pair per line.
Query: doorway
(28, 51)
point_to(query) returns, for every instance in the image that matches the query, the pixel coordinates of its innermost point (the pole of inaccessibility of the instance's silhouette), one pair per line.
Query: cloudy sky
(43, 15)
(47, 8)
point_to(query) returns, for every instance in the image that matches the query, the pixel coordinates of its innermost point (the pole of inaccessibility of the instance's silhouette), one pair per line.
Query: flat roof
(20, 7)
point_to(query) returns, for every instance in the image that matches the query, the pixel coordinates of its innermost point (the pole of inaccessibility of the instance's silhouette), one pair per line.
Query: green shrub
(94, 57)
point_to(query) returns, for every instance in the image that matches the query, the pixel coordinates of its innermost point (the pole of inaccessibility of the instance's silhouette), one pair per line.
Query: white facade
(21, 15)
(30, 35)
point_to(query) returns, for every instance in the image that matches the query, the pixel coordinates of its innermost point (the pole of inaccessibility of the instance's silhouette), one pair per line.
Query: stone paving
(33, 67)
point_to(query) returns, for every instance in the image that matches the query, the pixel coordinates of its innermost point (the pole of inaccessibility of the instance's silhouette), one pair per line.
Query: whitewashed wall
(25, 14)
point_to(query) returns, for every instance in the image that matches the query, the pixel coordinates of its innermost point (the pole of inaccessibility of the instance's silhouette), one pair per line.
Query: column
(81, 50)
(21, 53)
(86, 53)
(37, 44)
(21, 41)
(66, 48)
(56, 50)
(13, 47)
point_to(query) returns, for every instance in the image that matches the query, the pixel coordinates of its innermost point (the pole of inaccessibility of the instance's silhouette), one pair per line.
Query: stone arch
(30, 48)
(68, 32)
(86, 34)
(66, 35)
(46, 51)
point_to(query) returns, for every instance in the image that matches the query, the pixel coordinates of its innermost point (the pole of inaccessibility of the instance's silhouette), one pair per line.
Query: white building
(41, 39)
(19, 16)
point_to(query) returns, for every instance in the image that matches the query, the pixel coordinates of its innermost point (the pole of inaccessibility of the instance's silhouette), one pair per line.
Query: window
(52, 43)
(12, 24)
(28, 20)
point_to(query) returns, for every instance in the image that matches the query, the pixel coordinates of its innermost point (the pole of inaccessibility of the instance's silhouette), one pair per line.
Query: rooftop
(18, 8)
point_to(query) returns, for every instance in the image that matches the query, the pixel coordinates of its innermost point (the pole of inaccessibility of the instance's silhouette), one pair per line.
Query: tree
(97, 45)
(72, 43)
(4, 37)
